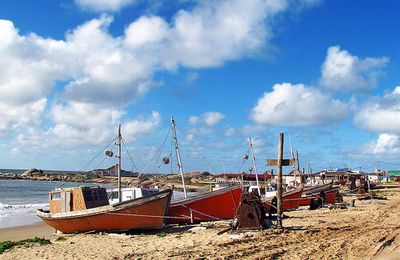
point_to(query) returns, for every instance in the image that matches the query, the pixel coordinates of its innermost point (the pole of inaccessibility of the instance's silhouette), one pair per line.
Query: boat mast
(119, 163)
(254, 165)
(178, 155)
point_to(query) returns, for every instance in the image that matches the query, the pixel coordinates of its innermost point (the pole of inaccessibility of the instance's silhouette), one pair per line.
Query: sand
(351, 233)
(24, 232)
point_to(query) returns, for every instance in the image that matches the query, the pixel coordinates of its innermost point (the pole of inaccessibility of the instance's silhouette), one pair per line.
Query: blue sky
(323, 72)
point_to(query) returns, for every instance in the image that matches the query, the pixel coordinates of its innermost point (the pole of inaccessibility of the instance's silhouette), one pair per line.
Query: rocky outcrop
(194, 181)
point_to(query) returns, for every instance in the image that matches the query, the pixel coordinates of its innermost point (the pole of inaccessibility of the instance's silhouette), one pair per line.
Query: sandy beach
(351, 233)
(24, 232)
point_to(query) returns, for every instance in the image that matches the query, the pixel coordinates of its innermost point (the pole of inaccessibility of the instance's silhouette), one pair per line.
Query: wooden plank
(285, 162)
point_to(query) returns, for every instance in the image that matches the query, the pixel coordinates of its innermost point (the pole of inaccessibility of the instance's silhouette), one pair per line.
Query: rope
(87, 165)
(233, 199)
(197, 149)
(201, 213)
(129, 155)
(142, 215)
(157, 152)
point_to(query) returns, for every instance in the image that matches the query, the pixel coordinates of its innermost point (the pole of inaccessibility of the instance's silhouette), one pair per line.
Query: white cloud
(103, 5)
(208, 119)
(381, 115)
(84, 115)
(229, 131)
(385, 146)
(82, 124)
(144, 31)
(343, 71)
(212, 118)
(141, 126)
(193, 120)
(297, 105)
(14, 117)
(26, 72)
(95, 71)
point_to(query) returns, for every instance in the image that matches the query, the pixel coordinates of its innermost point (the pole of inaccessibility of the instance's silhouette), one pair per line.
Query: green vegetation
(59, 239)
(9, 244)
(89, 176)
(161, 234)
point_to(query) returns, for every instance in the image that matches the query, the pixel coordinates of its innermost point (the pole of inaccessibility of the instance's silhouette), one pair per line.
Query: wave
(19, 209)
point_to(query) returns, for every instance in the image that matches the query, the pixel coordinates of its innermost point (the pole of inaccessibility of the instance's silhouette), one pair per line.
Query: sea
(19, 199)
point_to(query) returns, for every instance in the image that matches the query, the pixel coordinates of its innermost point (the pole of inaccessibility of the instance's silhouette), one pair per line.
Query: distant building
(238, 176)
(113, 172)
(391, 176)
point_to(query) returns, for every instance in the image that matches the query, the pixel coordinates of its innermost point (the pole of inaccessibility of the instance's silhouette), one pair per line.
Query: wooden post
(279, 182)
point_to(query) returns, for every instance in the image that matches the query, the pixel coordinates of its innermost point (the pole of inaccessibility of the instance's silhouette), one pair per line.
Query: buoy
(109, 153)
(165, 160)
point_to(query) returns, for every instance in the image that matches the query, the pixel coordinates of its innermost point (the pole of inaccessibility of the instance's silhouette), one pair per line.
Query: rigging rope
(87, 165)
(197, 149)
(129, 155)
(137, 157)
(157, 152)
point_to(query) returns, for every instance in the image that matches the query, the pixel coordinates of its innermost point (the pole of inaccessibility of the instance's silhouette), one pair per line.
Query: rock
(194, 229)
(32, 172)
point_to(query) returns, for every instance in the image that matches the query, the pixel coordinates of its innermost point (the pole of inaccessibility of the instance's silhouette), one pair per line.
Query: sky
(325, 73)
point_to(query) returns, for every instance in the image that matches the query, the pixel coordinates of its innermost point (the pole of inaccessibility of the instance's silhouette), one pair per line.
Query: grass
(9, 244)
(59, 239)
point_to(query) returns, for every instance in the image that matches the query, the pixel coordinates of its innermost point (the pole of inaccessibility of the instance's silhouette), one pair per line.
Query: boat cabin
(129, 194)
(75, 199)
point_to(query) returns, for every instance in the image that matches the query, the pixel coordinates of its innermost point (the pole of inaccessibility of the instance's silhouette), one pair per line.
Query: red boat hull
(210, 206)
(330, 197)
(290, 200)
(143, 213)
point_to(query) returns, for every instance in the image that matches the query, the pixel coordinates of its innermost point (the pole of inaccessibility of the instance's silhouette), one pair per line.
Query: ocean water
(19, 200)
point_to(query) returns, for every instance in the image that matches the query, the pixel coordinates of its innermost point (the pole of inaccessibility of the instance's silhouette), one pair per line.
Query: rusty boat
(85, 209)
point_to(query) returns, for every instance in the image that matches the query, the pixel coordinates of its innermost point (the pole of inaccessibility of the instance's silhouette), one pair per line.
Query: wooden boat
(87, 209)
(209, 206)
(315, 189)
(290, 200)
(329, 196)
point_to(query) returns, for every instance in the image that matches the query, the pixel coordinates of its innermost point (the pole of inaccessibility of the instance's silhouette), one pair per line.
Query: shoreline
(39, 229)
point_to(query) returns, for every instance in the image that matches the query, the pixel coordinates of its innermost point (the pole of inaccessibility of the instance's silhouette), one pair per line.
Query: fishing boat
(190, 208)
(325, 191)
(290, 200)
(86, 209)
(207, 206)
(202, 206)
